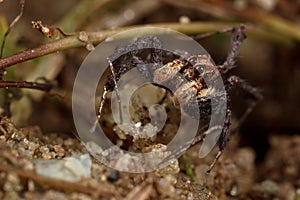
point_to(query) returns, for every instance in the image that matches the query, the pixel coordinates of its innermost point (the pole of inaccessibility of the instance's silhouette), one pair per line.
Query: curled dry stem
(12, 24)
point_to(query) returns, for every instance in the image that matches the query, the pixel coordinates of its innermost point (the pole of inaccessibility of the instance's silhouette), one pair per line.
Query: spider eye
(200, 69)
(192, 60)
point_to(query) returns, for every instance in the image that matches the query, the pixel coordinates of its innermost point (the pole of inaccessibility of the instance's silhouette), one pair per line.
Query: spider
(197, 70)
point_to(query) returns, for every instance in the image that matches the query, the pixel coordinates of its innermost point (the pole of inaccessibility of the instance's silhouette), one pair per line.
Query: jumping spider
(195, 69)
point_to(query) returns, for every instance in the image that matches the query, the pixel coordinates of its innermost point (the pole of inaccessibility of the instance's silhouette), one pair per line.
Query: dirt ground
(235, 176)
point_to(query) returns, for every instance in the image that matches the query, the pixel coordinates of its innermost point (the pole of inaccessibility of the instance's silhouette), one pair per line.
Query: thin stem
(25, 84)
(117, 89)
(12, 24)
(97, 37)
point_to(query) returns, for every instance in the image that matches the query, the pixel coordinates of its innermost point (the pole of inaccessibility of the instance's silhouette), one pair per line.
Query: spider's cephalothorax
(197, 75)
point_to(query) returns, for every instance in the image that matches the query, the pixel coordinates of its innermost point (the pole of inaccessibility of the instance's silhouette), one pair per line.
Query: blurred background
(269, 59)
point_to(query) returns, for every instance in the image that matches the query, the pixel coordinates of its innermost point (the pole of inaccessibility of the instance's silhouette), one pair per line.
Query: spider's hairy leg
(111, 67)
(103, 98)
(142, 68)
(223, 139)
(237, 37)
(146, 66)
(254, 93)
(201, 136)
(106, 88)
(226, 132)
(156, 56)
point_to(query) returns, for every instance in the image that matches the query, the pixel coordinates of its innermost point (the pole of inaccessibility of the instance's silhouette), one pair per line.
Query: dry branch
(54, 183)
(25, 84)
(95, 38)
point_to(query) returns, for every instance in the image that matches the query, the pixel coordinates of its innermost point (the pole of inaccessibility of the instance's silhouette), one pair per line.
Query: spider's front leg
(254, 93)
(223, 139)
(142, 67)
(147, 70)
(237, 38)
(108, 87)
(153, 60)
(201, 137)
(226, 131)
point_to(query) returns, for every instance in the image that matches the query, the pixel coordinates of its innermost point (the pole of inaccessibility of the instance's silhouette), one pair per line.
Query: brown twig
(17, 18)
(140, 192)
(58, 184)
(97, 37)
(25, 84)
